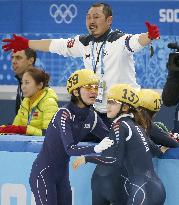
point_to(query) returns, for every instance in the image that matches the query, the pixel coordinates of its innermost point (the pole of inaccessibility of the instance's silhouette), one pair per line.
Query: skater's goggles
(91, 87)
(112, 102)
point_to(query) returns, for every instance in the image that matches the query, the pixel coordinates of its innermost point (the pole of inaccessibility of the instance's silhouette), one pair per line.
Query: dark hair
(138, 117)
(30, 53)
(39, 76)
(107, 10)
(75, 99)
(146, 116)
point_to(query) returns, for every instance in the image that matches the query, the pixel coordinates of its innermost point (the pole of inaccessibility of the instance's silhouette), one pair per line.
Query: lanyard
(100, 52)
(31, 115)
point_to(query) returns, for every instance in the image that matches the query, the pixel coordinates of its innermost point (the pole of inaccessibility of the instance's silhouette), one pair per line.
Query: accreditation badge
(101, 89)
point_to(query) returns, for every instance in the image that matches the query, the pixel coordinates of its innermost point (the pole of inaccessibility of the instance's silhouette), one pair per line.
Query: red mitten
(13, 129)
(17, 43)
(153, 31)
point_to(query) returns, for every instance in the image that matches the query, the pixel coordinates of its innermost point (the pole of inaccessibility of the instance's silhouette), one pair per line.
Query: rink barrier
(17, 154)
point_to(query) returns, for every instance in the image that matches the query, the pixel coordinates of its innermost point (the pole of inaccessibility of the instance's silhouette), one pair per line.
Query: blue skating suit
(49, 177)
(131, 149)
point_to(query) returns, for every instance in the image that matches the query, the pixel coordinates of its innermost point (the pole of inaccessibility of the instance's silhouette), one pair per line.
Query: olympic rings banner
(63, 13)
(36, 16)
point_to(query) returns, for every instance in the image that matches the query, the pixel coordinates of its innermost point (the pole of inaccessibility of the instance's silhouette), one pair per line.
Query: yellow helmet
(124, 93)
(80, 78)
(150, 99)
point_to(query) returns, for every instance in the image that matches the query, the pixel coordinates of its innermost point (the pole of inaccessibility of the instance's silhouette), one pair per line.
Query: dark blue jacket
(68, 127)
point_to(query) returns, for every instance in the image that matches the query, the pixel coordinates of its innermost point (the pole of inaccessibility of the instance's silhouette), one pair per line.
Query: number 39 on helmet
(124, 93)
(80, 78)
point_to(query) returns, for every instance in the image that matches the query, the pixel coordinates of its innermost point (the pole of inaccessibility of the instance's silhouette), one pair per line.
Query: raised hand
(17, 43)
(153, 31)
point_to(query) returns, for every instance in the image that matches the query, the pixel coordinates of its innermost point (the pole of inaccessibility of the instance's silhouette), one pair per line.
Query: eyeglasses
(112, 102)
(91, 87)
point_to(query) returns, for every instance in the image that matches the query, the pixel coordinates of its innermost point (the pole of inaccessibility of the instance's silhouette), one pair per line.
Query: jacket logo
(143, 139)
(35, 114)
(105, 53)
(70, 43)
(87, 56)
(87, 126)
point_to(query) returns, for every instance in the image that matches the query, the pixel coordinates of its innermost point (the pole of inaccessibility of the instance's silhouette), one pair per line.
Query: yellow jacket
(38, 116)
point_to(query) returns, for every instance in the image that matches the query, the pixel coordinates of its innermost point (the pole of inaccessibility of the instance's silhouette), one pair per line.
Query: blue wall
(17, 154)
(43, 19)
(47, 16)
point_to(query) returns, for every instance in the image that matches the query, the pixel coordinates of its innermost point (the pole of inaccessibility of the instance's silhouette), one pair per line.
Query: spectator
(22, 61)
(38, 106)
(108, 53)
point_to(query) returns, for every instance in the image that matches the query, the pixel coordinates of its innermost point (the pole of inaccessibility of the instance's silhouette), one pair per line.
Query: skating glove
(104, 144)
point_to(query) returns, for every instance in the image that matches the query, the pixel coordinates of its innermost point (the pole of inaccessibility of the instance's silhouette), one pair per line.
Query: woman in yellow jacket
(38, 106)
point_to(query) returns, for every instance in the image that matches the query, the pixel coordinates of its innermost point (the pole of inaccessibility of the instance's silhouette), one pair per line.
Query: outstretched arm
(64, 126)
(40, 45)
(18, 43)
(65, 47)
(144, 39)
(114, 155)
(160, 137)
(153, 33)
(79, 161)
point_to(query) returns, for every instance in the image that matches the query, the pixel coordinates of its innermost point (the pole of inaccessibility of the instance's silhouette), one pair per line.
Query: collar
(79, 111)
(103, 37)
(18, 78)
(122, 116)
(35, 97)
